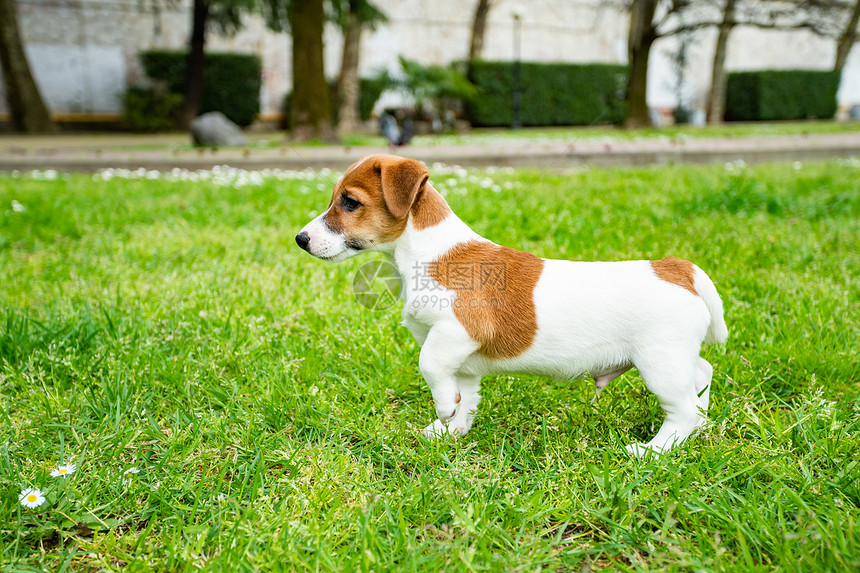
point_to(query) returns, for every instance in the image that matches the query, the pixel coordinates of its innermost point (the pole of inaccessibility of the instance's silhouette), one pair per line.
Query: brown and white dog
(477, 308)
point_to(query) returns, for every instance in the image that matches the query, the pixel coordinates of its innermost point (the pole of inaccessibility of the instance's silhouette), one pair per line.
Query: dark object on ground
(394, 133)
(214, 129)
(389, 129)
(407, 132)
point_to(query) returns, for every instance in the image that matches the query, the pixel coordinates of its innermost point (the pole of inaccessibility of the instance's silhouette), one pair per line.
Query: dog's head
(369, 208)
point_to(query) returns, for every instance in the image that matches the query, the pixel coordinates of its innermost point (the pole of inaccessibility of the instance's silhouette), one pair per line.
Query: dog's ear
(402, 181)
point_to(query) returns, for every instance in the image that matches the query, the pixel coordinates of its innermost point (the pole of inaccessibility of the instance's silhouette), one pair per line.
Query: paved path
(91, 153)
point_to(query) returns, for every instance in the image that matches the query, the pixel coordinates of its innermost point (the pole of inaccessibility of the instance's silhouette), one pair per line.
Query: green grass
(179, 142)
(610, 133)
(175, 327)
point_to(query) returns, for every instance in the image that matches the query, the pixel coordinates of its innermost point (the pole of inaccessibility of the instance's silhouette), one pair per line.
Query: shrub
(435, 86)
(167, 68)
(552, 94)
(783, 94)
(149, 109)
(231, 82)
(371, 89)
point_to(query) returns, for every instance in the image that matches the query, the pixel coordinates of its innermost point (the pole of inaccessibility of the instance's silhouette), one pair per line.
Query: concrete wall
(84, 52)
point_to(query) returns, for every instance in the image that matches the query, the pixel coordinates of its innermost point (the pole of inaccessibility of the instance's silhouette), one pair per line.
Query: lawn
(75, 143)
(610, 133)
(228, 405)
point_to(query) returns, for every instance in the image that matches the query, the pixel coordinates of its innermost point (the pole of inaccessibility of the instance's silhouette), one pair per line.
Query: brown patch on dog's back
(429, 209)
(494, 289)
(676, 271)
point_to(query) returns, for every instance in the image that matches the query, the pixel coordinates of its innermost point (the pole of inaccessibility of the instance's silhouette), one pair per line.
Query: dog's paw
(447, 406)
(438, 430)
(446, 412)
(457, 429)
(640, 450)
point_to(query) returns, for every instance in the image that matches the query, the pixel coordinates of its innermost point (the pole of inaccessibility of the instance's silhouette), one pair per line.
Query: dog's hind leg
(673, 378)
(703, 383)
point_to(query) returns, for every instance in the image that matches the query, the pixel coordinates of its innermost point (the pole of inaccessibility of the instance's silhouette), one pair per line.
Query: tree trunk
(194, 64)
(640, 39)
(348, 85)
(310, 109)
(479, 25)
(847, 39)
(716, 105)
(29, 113)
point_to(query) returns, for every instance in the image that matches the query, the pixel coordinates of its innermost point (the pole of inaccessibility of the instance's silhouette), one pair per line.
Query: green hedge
(148, 109)
(784, 94)
(552, 94)
(231, 82)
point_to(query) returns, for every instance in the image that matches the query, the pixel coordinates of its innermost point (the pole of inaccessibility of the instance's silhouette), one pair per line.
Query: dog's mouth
(352, 248)
(343, 255)
(330, 257)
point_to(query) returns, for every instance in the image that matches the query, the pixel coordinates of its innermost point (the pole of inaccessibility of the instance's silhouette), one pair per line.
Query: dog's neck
(424, 244)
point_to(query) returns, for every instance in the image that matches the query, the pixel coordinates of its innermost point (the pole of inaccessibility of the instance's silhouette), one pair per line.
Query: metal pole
(517, 92)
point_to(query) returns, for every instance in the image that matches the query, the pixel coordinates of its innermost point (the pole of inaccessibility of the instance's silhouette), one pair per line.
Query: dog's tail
(717, 330)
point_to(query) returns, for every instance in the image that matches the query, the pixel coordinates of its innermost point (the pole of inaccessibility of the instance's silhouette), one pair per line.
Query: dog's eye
(349, 204)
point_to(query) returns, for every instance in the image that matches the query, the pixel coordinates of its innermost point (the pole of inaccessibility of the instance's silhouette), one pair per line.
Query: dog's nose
(303, 240)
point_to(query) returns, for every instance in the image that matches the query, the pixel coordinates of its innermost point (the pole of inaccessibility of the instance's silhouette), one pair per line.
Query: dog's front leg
(469, 387)
(446, 348)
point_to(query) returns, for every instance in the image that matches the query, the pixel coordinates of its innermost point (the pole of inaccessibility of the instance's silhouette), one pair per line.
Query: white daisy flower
(31, 498)
(64, 470)
(132, 470)
(17, 207)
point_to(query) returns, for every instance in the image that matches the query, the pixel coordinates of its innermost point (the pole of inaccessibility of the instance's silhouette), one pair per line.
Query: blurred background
(139, 64)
